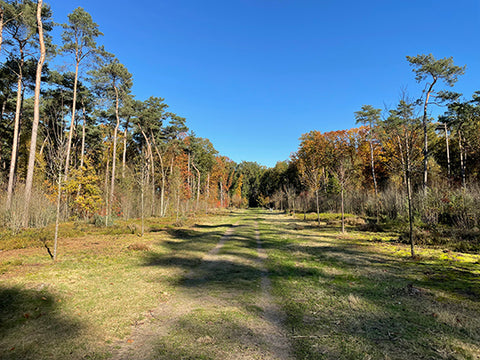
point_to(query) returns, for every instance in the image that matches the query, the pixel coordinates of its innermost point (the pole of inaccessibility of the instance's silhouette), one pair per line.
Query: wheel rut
(218, 297)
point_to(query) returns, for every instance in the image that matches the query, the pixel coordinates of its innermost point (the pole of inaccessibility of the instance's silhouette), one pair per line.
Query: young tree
(426, 66)
(114, 82)
(79, 39)
(370, 116)
(401, 132)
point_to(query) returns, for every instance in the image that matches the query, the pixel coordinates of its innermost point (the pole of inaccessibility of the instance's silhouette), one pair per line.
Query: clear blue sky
(253, 75)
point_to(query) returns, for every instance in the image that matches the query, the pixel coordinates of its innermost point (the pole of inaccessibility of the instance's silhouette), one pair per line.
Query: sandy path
(259, 337)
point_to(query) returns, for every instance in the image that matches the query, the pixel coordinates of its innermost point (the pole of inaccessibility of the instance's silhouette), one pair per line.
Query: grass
(86, 302)
(357, 295)
(350, 298)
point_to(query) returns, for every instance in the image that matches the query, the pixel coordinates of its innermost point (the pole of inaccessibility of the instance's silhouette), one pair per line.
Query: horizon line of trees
(76, 144)
(74, 141)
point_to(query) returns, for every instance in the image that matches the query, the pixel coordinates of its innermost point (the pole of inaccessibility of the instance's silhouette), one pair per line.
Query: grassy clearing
(345, 296)
(350, 298)
(82, 305)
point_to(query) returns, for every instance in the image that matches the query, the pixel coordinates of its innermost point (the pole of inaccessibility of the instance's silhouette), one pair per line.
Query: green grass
(350, 298)
(345, 296)
(86, 302)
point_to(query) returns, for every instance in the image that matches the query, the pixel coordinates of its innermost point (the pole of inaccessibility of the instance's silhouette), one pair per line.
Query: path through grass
(243, 285)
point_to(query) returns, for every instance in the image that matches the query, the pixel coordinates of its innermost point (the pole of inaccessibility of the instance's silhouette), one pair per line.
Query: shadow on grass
(32, 327)
(342, 300)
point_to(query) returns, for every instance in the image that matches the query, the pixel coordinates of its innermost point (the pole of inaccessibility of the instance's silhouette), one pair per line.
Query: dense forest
(75, 144)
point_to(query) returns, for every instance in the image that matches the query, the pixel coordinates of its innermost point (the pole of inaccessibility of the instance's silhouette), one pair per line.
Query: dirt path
(223, 309)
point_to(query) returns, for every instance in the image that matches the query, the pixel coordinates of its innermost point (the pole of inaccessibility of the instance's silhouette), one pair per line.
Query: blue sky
(254, 75)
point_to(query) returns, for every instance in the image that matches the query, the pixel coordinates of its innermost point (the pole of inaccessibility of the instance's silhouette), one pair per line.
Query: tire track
(275, 334)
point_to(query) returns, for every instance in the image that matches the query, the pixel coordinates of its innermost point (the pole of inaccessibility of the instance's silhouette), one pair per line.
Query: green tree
(370, 116)
(79, 39)
(402, 141)
(113, 82)
(427, 67)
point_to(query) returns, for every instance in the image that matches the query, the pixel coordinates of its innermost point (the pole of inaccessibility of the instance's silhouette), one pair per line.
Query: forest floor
(239, 285)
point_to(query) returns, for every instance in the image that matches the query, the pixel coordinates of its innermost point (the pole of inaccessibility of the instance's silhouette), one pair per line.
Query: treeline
(401, 167)
(76, 144)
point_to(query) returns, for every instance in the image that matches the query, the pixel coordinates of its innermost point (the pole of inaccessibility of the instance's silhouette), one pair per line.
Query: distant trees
(166, 170)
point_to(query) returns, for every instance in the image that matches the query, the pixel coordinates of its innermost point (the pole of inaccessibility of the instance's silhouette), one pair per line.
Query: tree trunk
(318, 206)
(408, 176)
(114, 156)
(343, 211)
(82, 155)
(462, 160)
(57, 215)
(1, 27)
(16, 133)
(448, 150)
(107, 170)
(372, 164)
(198, 186)
(208, 193)
(425, 136)
(142, 198)
(72, 122)
(36, 116)
(124, 157)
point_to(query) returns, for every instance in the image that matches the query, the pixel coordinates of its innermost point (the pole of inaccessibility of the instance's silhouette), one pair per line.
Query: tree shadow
(32, 324)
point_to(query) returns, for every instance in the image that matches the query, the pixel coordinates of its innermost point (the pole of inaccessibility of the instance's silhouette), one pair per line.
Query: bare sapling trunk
(57, 214)
(318, 206)
(36, 116)
(343, 211)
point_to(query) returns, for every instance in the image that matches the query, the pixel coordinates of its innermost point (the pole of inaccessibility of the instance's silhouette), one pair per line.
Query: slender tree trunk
(318, 206)
(462, 160)
(208, 193)
(162, 171)
(372, 164)
(124, 157)
(408, 176)
(57, 215)
(1, 27)
(425, 136)
(114, 156)
(343, 211)
(143, 198)
(221, 193)
(36, 116)
(72, 122)
(198, 186)
(82, 155)
(448, 150)
(16, 132)
(107, 171)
